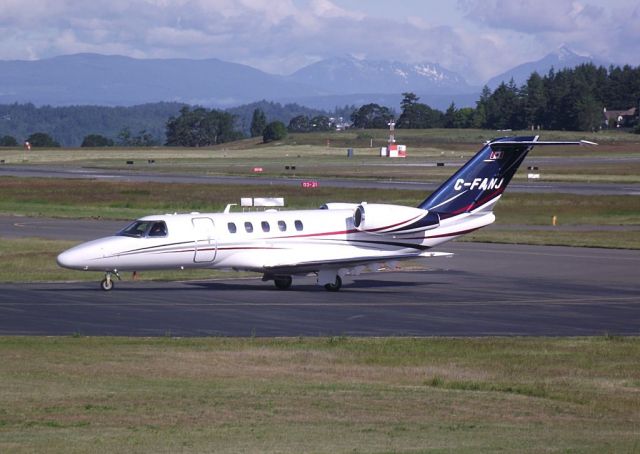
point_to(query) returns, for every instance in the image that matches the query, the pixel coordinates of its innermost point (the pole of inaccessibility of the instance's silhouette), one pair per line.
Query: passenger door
(206, 245)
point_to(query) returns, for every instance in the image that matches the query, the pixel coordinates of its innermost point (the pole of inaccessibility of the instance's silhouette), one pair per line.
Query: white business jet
(335, 240)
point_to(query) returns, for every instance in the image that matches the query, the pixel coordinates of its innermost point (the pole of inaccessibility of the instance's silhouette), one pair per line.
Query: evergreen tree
(416, 115)
(482, 105)
(258, 123)
(408, 100)
(450, 117)
(535, 101)
(464, 117)
(503, 109)
(557, 88)
(588, 114)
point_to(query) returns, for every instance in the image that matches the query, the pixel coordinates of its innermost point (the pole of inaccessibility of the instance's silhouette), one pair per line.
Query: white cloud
(609, 33)
(281, 36)
(175, 37)
(529, 16)
(327, 9)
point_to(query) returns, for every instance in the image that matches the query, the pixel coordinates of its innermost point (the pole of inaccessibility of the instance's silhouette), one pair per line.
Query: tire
(283, 282)
(335, 286)
(106, 285)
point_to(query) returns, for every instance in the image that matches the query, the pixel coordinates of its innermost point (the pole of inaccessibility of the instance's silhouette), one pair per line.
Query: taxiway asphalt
(484, 290)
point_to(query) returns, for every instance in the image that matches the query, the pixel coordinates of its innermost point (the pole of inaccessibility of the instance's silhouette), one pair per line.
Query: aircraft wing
(316, 265)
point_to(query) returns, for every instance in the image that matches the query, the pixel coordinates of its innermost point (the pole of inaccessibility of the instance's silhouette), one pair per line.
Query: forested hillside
(69, 125)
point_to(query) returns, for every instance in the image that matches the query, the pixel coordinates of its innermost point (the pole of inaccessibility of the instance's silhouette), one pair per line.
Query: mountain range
(349, 75)
(112, 80)
(561, 58)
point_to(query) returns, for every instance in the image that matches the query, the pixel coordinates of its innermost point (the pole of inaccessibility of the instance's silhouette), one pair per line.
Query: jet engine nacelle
(393, 219)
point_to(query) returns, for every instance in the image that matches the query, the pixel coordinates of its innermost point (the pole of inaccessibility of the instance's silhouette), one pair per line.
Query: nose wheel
(107, 283)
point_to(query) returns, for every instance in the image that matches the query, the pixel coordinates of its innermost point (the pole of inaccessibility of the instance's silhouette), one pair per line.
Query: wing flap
(317, 265)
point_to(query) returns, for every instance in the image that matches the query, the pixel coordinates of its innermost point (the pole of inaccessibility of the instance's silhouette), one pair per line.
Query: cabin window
(158, 229)
(248, 226)
(265, 226)
(232, 227)
(282, 226)
(298, 225)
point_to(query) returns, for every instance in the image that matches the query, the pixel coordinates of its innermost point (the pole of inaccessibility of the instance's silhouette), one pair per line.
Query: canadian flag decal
(495, 155)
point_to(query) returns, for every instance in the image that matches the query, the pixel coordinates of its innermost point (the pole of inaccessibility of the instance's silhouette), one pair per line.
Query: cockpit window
(139, 229)
(136, 229)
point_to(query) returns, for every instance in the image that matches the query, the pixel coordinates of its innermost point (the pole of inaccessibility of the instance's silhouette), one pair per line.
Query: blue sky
(476, 38)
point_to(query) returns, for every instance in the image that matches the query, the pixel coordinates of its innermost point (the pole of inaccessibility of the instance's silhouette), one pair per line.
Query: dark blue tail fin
(481, 180)
(479, 183)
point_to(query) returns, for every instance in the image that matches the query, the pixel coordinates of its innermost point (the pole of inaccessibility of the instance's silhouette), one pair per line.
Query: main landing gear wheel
(106, 284)
(283, 282)
(335, 286)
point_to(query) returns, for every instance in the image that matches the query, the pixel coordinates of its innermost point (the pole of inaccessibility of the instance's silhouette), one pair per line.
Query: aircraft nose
(70, 259)
(74, 258)
(90, 255)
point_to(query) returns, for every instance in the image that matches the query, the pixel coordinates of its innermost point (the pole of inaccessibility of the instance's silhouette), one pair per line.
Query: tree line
(570, 99)
(143, 125)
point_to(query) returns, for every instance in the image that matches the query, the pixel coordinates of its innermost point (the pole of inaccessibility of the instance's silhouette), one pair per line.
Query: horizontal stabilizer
(537, 143)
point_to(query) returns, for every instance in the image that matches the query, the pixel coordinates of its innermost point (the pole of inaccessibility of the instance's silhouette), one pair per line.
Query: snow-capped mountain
(561, 58)
(349, 75)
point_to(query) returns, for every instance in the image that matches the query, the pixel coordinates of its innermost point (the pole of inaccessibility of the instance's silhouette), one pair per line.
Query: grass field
(424, 142)
(123, 200)
(324, 155)
(319, 395)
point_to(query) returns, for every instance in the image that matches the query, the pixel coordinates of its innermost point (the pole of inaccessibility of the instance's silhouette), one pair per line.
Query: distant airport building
(619, 118)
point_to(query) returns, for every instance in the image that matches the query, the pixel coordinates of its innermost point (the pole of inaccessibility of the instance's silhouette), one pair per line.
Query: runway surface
(484, 290)
(142, 176)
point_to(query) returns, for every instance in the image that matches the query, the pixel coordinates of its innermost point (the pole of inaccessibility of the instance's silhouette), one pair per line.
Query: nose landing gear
(107, 283)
